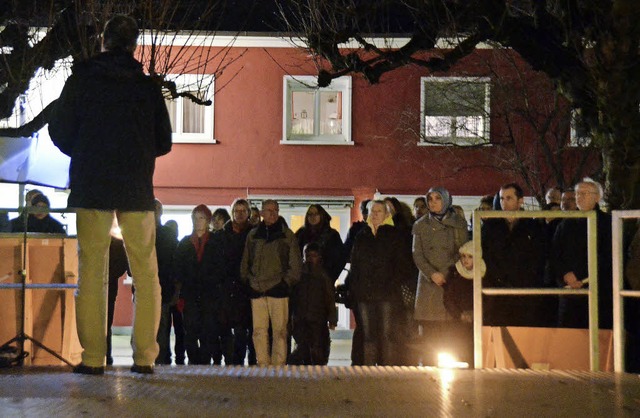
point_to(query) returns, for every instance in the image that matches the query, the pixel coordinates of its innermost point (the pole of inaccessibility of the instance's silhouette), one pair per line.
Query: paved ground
(316, 392)
(336, 390)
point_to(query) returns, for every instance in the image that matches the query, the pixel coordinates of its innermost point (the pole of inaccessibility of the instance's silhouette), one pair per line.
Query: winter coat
(378, 265)
(198, 280)
(435, 249)
(236, 305)
(458, 294)
(332, 249)
(515, 258)
(313, 298)
(166, 244)
(111, 119)
(46, 225)
(570, 251)
(271, 260)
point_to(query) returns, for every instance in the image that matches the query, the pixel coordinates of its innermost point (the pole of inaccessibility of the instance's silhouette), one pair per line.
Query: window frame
(182, 82)
(293, 84)
(453, 140)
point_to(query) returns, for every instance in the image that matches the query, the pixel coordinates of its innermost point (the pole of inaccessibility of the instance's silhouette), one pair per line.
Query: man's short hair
(516, 187)
(120, 33)
(271, 202)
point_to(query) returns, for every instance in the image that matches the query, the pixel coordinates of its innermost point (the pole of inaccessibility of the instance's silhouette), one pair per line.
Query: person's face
(270, 214)
(568, 201)
(377, 214)
(587, 196)
(313, 216)
(509, 200)
(312, 257)
(553, 197)
(419, 208)
(240, 214)
(200, 222)
(41, 205)
(217, 222)
(485, 206)
(467, 261)
(435, 203)
(255, 217)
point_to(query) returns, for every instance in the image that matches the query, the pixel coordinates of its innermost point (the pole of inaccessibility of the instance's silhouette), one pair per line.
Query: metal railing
(591, 292)
(619, 294)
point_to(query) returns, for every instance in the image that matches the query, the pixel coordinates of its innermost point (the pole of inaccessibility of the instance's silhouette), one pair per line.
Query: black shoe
(142, 369)
(84, 369)
(109, 361)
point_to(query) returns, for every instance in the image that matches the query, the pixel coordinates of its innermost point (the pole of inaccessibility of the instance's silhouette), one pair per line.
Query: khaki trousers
(138, 233)
(276, 310)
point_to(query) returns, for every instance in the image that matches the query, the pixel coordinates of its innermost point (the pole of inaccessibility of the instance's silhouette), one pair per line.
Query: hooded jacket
(111, 119)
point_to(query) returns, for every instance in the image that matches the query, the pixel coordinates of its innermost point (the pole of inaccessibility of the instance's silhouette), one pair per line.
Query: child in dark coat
(458, 301)
(313, 308)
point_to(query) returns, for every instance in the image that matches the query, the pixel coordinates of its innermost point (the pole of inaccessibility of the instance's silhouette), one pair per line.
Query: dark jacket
(313, 298)
(378, 265)
(112, 121)
(271, 260)
(199, 280)
(515, 258)
(458, 293)
(46, 225)
(331, 246)
(571, 254)
(236, 305)
(166, 244)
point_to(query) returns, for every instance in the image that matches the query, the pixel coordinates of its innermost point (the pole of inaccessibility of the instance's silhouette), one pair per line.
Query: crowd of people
(243, 288)
(246, 290)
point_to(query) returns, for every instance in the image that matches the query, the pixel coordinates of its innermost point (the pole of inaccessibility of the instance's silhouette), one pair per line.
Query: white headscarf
(467, 248)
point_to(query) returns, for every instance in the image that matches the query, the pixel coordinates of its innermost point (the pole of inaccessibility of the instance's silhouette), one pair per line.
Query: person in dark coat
(571, 261)
(313, 310)
(166, 243)
(236, 304)
(378, 266)
(112, 120)
(354, 230)
(317, 228)
(192, 274)
(514, 252)
(40, 222)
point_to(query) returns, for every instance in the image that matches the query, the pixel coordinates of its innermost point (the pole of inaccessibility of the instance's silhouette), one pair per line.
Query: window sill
(195, 141)
(451, 144)
(314, 142)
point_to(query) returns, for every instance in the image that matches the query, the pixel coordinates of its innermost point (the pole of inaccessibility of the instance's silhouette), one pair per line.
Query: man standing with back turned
(112, 121)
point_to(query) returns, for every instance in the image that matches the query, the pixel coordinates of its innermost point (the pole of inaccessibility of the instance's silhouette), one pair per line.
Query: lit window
(316, 116)
(455, 111)
(192, 122)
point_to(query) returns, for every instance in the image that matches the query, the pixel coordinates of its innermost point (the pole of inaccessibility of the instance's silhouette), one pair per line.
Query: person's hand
(572, 281)
(332, 327)
(438, 278)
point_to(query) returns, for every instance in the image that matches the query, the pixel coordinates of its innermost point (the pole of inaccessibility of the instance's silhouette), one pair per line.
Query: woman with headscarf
(436, 240)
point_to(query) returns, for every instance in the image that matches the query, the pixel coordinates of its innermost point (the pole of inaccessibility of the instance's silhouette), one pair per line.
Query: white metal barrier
(591, 292)
(619, 294)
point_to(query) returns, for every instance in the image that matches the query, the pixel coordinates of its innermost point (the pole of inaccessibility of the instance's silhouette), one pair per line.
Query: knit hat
(40, 199)
(202, 209)
(478, 262)
(446, 198)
